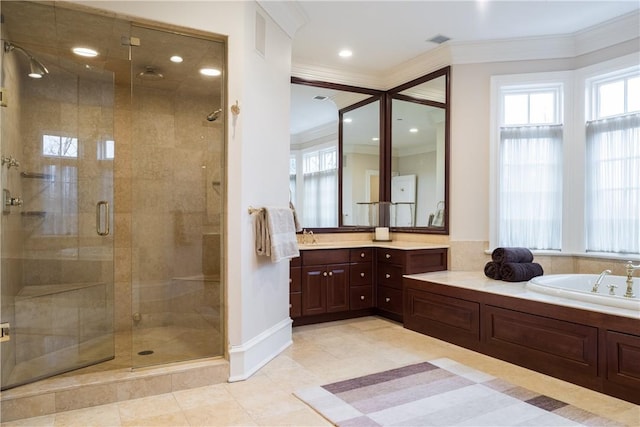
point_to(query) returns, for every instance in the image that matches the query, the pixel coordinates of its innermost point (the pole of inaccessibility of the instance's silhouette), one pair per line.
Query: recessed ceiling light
(348, 120)
(345, 53)
(413, 130)
(85, 51)
(175, 58)
(210, 72)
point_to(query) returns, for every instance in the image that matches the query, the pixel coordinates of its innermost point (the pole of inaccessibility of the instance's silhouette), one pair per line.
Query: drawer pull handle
(361, 274)
(387, 275)
(362, 297)
(387, 299)
(290, 281)
(324, 274)
(387, 256)
(331, 273)
(362, 255)
(290, 305)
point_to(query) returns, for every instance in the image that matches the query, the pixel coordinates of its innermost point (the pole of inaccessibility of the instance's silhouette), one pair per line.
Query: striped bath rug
(441, 392)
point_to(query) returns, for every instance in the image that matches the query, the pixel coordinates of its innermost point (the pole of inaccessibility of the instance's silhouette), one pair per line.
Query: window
(320, 177)
(530, 166)
(613, 163)
(59, 146)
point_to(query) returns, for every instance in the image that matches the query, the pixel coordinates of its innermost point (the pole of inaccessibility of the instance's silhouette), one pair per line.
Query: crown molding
(609, 33)
(287, 14)
(522, 49)
(335, 75)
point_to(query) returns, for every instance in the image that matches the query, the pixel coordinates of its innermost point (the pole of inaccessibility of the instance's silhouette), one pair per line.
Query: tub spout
(599, 280)
(630, 269)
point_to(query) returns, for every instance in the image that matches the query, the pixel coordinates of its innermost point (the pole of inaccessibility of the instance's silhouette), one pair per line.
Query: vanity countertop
(394, 244)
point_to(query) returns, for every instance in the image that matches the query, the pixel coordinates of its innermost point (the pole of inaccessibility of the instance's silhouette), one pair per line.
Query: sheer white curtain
(320, 199)
(613, 184)
(530, 187)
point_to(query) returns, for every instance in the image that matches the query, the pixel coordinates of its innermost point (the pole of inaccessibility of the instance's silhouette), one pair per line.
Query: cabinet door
(314, 290)
(337, 288)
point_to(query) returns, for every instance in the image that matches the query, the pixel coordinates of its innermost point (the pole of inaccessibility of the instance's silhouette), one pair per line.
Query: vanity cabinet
(392, 264)
(325, 281)
(335, 284)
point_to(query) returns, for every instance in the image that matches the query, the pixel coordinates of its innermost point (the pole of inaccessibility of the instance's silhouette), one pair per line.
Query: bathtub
(578, 287)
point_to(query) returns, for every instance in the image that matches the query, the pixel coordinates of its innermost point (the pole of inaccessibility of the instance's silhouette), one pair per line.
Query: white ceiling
(385, 34)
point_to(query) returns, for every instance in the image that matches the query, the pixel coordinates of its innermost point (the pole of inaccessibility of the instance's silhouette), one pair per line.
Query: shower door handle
(102, 207)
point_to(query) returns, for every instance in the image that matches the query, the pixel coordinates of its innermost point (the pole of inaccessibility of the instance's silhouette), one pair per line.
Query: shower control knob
(14, 201)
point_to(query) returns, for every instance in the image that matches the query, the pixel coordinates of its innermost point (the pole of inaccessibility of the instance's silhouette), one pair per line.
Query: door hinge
(3, 97)
(129, 41)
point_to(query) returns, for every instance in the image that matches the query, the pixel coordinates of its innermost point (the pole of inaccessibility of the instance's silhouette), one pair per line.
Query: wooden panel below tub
(554, 346)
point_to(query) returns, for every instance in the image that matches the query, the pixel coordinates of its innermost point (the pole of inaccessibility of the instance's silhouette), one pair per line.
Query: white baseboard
(247, 358)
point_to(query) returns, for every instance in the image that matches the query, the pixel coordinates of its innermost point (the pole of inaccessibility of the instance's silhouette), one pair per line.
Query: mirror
(419, 153)
(317, 173)
(360, 163)
(362, 158)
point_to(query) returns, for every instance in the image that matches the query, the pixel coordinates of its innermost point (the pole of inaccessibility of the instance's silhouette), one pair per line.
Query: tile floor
(320, 354)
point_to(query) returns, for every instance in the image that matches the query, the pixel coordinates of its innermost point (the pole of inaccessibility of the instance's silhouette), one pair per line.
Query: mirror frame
(386, 144)
(386, 172)
(375, 95)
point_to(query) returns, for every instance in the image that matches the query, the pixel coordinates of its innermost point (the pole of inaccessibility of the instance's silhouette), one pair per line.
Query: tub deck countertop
(476, 280)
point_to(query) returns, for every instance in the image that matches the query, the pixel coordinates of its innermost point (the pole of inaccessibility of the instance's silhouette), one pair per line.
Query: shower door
(177, 183)
(56, 226)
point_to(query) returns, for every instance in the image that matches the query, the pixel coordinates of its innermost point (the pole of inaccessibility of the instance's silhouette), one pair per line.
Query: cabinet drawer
(361, 274)
(295, 279)
(391, 256)
(425, 260)
(295, 305)
(390, 299)
(325, 256)
(390, 275)
(295, 262)
(361, 297)
(361, 255)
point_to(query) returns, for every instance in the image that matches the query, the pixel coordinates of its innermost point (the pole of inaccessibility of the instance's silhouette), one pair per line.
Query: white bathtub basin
(578, 286)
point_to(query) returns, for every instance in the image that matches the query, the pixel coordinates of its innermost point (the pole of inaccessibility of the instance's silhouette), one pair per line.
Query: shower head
(150, 73)
(36, 68)
(212, 117)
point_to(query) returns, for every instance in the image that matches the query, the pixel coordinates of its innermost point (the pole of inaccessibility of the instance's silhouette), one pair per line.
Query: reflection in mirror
(314, 152)
(417, 168)
(419, 151)
(361, 165)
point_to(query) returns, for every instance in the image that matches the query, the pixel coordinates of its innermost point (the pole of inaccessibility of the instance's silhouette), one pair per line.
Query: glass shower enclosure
(112, 178)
